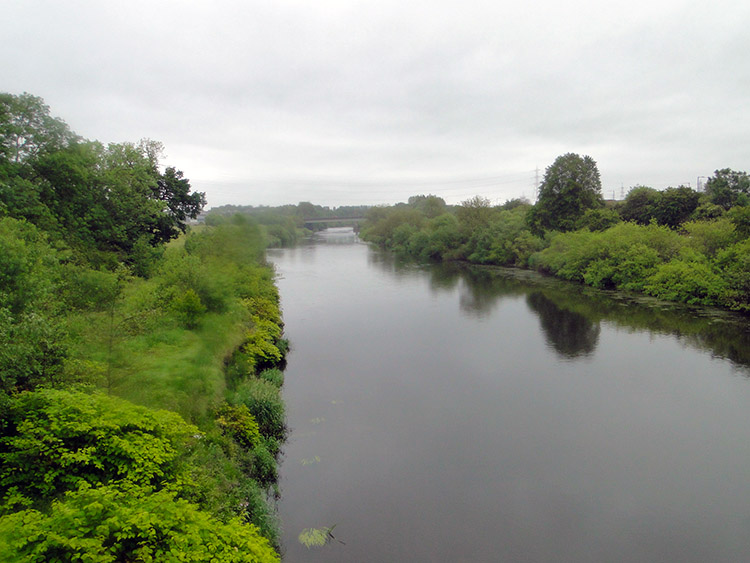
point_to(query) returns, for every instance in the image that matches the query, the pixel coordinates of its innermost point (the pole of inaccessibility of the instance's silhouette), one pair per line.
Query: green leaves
(108, 524)
(571, 185)
(56, 441)
(317, 537)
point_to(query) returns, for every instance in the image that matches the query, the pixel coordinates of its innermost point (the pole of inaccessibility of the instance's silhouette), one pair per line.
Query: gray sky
(344, 102)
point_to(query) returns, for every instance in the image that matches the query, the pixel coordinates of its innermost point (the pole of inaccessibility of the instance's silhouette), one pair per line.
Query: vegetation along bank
(677, 244)
(140, 407)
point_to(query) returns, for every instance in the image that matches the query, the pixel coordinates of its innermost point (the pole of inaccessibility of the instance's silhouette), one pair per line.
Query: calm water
(472, 414)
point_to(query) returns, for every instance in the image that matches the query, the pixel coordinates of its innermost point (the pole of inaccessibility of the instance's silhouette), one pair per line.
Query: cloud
(247, 95)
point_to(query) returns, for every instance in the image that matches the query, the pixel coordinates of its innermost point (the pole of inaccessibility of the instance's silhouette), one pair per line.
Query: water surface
(448, 413)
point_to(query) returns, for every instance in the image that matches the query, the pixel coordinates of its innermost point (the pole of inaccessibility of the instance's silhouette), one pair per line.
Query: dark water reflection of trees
(571, 315)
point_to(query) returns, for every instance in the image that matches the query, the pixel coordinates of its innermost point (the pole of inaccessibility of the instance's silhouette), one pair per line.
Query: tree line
(284, 225)
(140, 409)
(676, 244)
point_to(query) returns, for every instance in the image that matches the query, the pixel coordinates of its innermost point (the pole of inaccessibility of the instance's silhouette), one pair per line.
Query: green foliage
(32, 338)
(474, 213)
(273, 375)
(382, 222)
(571, 185)
(77, 220)
(189, 308)
(598, 219)
(670, 207)
(29, 267)
(728, 188)
(708, 237)
(99, 200)
(314, 537)
(618, 257)
(676, 205)
(27, 130)
(734, 263)
(686, 280)
(55, 441)
(740, 218)
(108, 524)
(239, 424)
(264, 403)
(33, 351)
(89, 289)
(640, 205)
(430, 206)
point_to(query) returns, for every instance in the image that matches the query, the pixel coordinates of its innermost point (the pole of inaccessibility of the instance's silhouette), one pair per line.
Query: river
(454, 413)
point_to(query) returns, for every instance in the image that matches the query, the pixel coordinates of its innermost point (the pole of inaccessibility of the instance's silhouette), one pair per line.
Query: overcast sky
(343, 102)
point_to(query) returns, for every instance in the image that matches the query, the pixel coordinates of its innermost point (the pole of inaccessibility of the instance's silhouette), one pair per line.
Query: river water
(455, 413)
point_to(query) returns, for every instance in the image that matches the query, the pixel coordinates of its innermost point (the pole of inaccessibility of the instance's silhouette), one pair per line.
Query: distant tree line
(676, 244)
(284, 225)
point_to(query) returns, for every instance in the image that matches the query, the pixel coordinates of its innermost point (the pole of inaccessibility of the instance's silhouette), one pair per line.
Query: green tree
(27, 129)
(474, 213)
(729, 188)
(640, 205)
(676, 205)
(430, 205)
(571, 185)
(174, 190)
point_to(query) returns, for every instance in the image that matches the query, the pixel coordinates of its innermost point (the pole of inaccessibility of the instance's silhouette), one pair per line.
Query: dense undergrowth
(702, 259)
(140, 409)
(197, 346)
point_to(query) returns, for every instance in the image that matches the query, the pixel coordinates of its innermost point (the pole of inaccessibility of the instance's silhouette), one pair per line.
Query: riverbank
(170, 392)
(701, 262)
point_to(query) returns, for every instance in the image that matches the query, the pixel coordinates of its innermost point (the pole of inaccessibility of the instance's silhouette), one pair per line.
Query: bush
(56, 441)
(237, 422)
(708, 237)
(264, 402)
(734, 262)
(107, 524)
(273, 375)
(686, 281)
(189, 308)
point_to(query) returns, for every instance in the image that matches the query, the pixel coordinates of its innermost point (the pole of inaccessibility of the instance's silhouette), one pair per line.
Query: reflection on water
(570, 314)
(458, 413)
(570, 334)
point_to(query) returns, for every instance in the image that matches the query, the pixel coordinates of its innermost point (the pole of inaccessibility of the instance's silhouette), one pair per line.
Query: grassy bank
(196, 344)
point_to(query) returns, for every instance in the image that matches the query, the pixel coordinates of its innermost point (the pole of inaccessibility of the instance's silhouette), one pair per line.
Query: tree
(639, 205)
(474, 213)
(729, 188)
(27, 129)
(676, 205)
(174, 190)
(431, 205)
(571, 185)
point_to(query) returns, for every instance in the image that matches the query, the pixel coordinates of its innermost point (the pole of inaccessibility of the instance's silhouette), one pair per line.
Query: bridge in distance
(355, 219)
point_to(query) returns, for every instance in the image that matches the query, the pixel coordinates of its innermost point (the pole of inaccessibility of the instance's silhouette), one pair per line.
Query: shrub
(687, 281)
(237, 422)
(273, 375)
(708, 237)
(734, 262)
(107, 524)
(189, 308)
(56, 441)
(264, 402)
